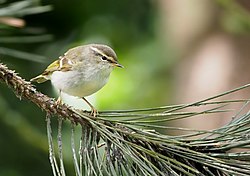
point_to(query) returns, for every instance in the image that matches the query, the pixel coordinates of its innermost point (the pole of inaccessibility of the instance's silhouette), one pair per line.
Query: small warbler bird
(81, 71)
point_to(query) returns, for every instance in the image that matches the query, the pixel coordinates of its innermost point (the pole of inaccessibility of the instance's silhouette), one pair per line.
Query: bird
(81, 71)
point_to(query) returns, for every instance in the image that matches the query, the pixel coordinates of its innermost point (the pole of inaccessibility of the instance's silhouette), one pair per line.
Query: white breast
(81, 83)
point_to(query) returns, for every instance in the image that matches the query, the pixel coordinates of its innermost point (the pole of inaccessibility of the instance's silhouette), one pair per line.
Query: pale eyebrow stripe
(101, 53)
(95, 49)
(98, 51)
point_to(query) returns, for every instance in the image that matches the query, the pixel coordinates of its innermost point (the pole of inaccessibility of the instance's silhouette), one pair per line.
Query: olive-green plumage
(81, 71)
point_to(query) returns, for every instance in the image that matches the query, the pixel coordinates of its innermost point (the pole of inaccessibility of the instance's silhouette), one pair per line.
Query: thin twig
(24, 89)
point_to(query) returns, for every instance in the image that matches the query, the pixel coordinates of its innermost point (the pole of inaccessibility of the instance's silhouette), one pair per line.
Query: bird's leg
(94, 111)
(59, 99)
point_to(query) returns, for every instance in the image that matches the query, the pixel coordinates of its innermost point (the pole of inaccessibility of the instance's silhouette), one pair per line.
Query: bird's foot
(58, 101)
(94, 112)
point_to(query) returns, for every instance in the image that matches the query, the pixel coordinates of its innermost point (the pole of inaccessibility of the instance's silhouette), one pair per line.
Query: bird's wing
(64, 63)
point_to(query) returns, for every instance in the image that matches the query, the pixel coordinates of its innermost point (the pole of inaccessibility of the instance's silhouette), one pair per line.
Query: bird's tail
(40, 78)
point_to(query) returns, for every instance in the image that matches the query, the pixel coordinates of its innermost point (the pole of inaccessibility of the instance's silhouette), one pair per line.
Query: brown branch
(161, 154)
(24, 89)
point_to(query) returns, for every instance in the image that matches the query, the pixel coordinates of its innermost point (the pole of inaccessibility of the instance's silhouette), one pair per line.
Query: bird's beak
(118, 65)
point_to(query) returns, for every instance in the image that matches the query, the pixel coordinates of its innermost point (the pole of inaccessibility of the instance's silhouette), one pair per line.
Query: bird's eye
(104, 58)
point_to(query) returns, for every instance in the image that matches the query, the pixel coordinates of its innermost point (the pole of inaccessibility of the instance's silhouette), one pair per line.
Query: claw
(94, 111)
(59, 99)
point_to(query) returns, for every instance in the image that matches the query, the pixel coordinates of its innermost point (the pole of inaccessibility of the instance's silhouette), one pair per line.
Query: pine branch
(114, 144)
(13, 25)
(25, 90)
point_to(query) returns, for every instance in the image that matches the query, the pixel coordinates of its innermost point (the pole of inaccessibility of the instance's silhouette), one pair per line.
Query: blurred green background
(152, 38)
